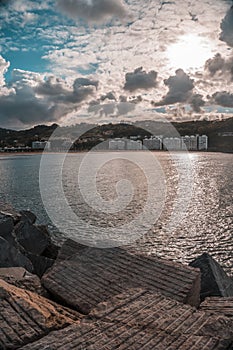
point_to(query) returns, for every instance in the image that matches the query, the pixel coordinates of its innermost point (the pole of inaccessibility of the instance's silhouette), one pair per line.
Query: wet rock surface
(26, 316)
(214, 280)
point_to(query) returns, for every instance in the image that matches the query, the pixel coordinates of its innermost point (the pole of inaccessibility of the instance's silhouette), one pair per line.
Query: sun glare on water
(189, 52)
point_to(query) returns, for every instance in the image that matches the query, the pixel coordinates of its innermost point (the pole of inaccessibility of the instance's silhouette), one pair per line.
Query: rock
(20, 277)
(51, 251)
(218, 306)
(70, 249)
(214, 280)
(40, 263)
(7, 209)
(11, 257)
(26, 316)
(139, 308)
(34, 239)
(94, 275)
(140, 319)
(27, 215)
(6, 226)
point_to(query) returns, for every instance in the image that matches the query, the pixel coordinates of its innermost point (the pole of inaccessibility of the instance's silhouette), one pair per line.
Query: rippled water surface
(203, 191)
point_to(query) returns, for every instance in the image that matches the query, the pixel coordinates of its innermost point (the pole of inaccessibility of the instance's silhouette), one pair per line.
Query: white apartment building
(133, 145)
(172, 143)
(117, 144)
(39, 145)
(153, 143)
(203, 142)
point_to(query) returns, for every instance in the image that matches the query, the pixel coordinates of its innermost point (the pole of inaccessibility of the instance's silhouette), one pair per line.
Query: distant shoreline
(7, 154)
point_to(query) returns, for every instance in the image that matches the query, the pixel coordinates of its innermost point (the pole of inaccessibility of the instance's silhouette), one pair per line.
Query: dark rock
(214, 280)
(140, 319)
(34, 239)
(27, 215)
(93, 275)
(70, 249)
(10, 256)
(8, 210)
(21, 278)
(6, 226)
(40, 263)
(51, 251)
(27, 317)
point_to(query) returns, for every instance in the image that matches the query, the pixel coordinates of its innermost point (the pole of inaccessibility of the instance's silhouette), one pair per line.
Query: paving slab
(218, 305)
(93, 275)
(152, 311)
(26, 316)
(142, 320)
(111, 337)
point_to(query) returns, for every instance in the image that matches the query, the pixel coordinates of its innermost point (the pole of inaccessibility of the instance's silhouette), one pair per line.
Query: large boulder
(20, 277)
(214, 280)
(27, 317)
(8, 210)
(10, 256)
(40, 263)
(6, 226)
(34, 239)
(27, 215)
(139, 319)
(91, 275)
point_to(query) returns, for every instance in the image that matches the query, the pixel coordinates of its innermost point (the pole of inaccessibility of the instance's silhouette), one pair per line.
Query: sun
(189, 52)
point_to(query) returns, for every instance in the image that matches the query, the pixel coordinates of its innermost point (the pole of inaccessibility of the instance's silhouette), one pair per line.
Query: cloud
(58, 91)
(113, 110)
(215, 64)
(196, 102)
(92, 10)
(139, 79)
(109, 96)
(4, 65)
(34, 98)
(180, 88)
(227, 28)
(223, 98)
(219, 66)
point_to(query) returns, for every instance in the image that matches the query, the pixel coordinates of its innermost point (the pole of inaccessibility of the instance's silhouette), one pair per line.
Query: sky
(72, 61)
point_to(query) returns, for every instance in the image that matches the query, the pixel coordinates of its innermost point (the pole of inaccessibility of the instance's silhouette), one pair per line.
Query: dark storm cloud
(92, 10)
(58, 92)
(22, 106)
(219, 65)
(196, 102)
(227, 28)
(79, 82)
(140, 79)
(215, 64)
(33, 101)
(180, 88)
(122, 98)
(223, 98)
(109, 96)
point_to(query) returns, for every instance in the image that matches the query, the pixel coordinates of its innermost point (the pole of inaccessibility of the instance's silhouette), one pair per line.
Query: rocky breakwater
(89, 298)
